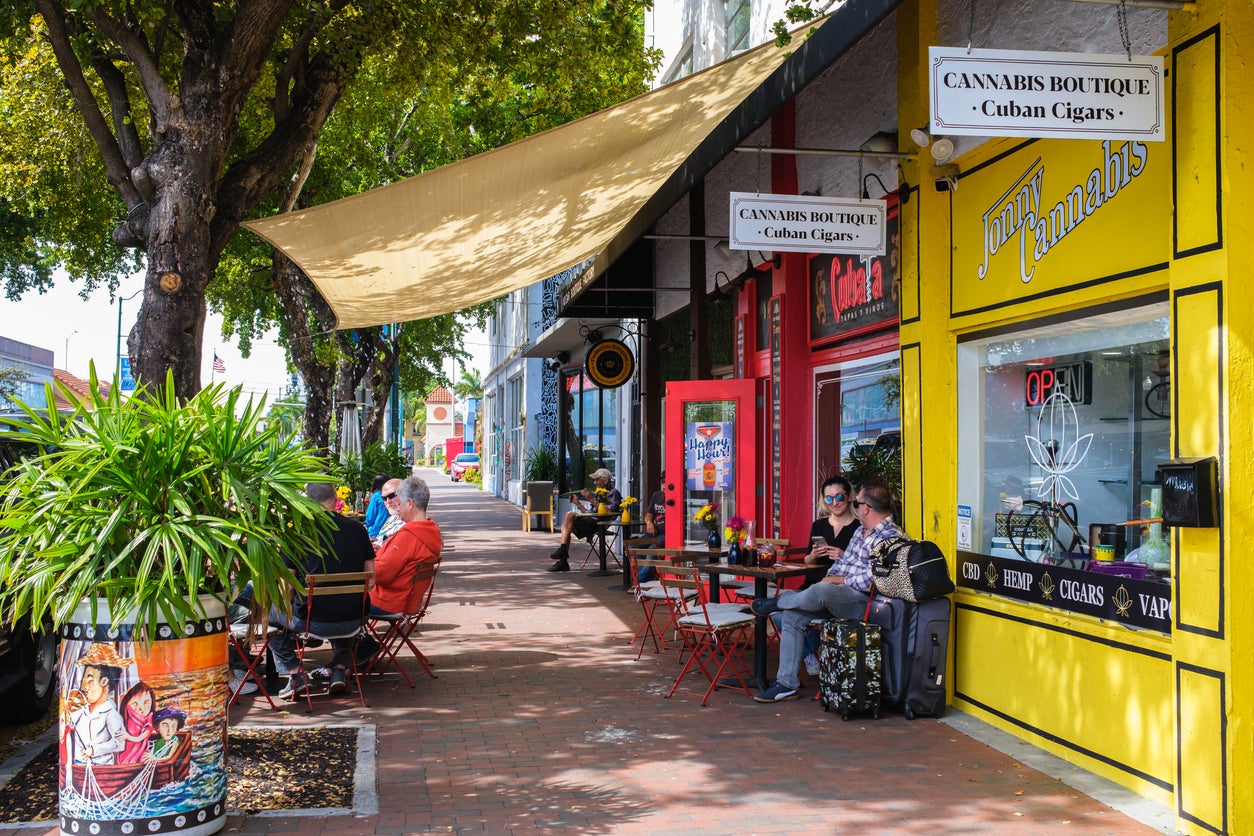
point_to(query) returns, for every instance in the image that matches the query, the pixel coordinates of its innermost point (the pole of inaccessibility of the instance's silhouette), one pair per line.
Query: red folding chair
(395, 630)
(653, 595)
(319, 585)
(251, 641)
(717, 634)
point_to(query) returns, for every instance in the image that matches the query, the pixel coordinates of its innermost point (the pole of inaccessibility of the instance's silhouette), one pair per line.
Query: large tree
(202, 114)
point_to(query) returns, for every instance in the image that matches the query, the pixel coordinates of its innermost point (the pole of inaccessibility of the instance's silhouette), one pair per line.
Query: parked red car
(463, 462)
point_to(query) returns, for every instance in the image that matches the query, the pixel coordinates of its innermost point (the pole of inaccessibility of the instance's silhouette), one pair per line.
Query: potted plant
(128, 529)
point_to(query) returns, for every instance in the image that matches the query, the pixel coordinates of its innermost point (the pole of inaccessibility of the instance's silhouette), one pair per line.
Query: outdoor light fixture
(941, 148)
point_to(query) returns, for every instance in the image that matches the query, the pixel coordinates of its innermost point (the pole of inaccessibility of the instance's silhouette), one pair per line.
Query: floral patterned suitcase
(850, 664)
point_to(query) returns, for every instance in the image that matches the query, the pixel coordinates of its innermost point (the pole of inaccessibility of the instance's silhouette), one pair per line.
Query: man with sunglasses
(394, 522)
(841, 594)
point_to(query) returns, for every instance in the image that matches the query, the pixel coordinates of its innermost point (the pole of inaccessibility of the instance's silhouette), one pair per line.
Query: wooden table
(760, 576)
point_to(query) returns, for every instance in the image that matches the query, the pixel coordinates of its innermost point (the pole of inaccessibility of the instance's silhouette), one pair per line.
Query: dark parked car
(28, 658)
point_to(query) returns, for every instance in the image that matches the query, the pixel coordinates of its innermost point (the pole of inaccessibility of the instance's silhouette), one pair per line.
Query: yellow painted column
(928, 399)
(1213, 378)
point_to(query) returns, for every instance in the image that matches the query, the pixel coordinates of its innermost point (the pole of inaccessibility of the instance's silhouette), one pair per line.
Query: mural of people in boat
(95, 725)
(169, 723)
(138, 707)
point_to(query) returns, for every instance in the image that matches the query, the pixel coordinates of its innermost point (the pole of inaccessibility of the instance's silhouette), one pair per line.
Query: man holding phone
(841, 594)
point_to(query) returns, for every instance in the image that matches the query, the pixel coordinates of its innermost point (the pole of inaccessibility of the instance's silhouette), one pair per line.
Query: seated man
(584, 526)
(417, 541)
(393, 523)
(346, 548)
(841, 594)
(655, 525)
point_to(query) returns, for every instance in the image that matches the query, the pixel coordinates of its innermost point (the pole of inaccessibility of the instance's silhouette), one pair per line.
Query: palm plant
(148, 502)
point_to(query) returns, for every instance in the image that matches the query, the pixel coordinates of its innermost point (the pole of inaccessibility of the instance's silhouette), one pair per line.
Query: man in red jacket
(418, 541)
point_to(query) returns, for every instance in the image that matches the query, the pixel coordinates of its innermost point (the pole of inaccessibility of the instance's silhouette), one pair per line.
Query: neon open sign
(1075, 380)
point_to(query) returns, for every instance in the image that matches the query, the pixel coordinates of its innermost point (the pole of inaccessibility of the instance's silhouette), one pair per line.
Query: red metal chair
(395, 630)
(652, 595)
(251, 641)
(716, 634)
(319, 585)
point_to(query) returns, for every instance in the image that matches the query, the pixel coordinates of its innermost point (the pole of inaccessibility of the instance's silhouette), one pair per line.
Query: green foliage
(359, 472)
(147, 502)
(472, 476)
(11, 378)
(880, 461)
(541, 465)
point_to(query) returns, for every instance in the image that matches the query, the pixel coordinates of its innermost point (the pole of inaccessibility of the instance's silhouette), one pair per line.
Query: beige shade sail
(505, 219)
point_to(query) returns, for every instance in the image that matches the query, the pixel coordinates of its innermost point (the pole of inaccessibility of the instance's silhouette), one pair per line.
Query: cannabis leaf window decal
(1058, 448)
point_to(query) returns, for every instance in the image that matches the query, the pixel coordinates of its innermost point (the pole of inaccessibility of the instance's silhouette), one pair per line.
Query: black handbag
(912, 570)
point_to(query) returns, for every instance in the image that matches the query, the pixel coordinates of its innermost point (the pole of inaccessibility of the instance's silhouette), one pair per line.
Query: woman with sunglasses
(831, 532)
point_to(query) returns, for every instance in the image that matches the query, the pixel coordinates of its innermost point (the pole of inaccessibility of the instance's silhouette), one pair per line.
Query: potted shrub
(128, 530)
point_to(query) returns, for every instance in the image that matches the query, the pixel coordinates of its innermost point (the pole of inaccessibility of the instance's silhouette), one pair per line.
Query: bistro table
(601, 543)
(760, 575)
(626, 529)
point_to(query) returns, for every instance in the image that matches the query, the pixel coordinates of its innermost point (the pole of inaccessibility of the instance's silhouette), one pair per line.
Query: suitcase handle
(870, 597)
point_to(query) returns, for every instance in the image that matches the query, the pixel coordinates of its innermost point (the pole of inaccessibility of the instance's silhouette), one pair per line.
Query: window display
(1062, 428)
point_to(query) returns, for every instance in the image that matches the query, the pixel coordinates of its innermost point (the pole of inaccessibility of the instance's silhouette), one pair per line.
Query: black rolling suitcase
(849, 666)
(915, 645)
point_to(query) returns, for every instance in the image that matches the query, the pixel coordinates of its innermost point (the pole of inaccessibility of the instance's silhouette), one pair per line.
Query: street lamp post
(65, 358)
(118, 343)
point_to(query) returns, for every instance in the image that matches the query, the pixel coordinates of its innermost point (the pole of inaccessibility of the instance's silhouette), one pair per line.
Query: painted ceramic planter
(143, 726)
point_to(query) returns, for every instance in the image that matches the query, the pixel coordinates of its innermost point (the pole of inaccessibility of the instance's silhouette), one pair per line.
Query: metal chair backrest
(685, 579)
(423, 586)
(781, 542)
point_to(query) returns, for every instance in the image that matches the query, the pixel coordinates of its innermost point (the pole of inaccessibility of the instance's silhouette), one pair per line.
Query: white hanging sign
(805, 224)
(1065, 95)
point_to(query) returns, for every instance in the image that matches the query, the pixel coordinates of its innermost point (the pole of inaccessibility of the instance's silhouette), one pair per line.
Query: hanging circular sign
(609, 363)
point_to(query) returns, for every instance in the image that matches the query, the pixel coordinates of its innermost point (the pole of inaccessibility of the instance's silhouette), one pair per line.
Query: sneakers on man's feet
(560, 553)
(764, 606)
(241, 686)
(296, 687)
(777, 693)
(339, 681)
(812, 664)
(320, 674)
(562, 565)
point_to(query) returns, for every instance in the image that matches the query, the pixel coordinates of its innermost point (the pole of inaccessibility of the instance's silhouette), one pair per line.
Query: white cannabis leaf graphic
(1058, 424)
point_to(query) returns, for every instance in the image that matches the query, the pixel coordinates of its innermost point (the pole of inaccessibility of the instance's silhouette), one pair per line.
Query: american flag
(218, 365)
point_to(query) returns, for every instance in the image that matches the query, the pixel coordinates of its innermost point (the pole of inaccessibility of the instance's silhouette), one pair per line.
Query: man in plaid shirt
(841, 594)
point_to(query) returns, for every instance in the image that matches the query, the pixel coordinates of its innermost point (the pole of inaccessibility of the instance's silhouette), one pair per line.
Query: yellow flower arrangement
(601, 493)
(343, 492)
(707, 516)
(627, 501)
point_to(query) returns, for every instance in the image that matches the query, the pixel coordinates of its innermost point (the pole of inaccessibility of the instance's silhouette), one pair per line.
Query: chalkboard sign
(1190, 492)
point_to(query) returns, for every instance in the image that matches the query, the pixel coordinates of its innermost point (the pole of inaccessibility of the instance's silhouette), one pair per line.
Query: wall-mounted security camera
(946, 177)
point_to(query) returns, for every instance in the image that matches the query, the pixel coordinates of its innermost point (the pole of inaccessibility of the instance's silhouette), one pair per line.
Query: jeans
(798, 608)
(811, 635)
(283, 645)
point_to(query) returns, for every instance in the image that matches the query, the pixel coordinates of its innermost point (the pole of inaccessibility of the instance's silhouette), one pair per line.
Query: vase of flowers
(734, 534)
(602, 494)
(625, 504)
(708, 517)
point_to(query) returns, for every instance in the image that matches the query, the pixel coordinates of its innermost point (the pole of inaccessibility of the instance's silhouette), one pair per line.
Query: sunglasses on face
(840, 497)
(856, 504)
(388, 497)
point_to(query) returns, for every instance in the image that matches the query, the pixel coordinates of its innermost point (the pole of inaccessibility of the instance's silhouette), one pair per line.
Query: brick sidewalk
(542, 720)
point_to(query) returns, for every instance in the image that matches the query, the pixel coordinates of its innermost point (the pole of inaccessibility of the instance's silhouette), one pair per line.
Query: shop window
(516, 434)
(865, 396)
(1061, 428)
(736, 18)
(589, 430)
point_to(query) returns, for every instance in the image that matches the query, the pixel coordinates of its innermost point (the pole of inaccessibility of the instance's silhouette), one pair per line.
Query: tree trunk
(169, 331)
(303, 306)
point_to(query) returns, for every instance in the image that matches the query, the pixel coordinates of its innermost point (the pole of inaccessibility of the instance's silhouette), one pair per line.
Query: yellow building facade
(1113, 275)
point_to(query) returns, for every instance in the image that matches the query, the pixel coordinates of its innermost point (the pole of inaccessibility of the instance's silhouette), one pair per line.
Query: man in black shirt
(346, 548)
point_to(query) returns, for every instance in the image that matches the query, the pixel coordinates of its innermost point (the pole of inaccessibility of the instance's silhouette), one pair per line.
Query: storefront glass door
(710, 456)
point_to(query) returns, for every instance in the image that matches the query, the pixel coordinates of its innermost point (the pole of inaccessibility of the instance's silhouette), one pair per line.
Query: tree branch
(120, 108)
(136, 50)
(116, 168)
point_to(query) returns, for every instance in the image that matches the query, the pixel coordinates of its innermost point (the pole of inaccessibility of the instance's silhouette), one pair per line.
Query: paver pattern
(542, 721)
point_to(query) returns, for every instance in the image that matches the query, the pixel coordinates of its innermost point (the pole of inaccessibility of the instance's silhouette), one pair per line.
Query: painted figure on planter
(95, 725)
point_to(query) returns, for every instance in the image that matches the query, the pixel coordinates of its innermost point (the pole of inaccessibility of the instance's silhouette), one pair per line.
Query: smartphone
(817, 542)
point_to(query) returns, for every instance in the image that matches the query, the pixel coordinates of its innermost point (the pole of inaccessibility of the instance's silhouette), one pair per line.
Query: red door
(711, 454)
